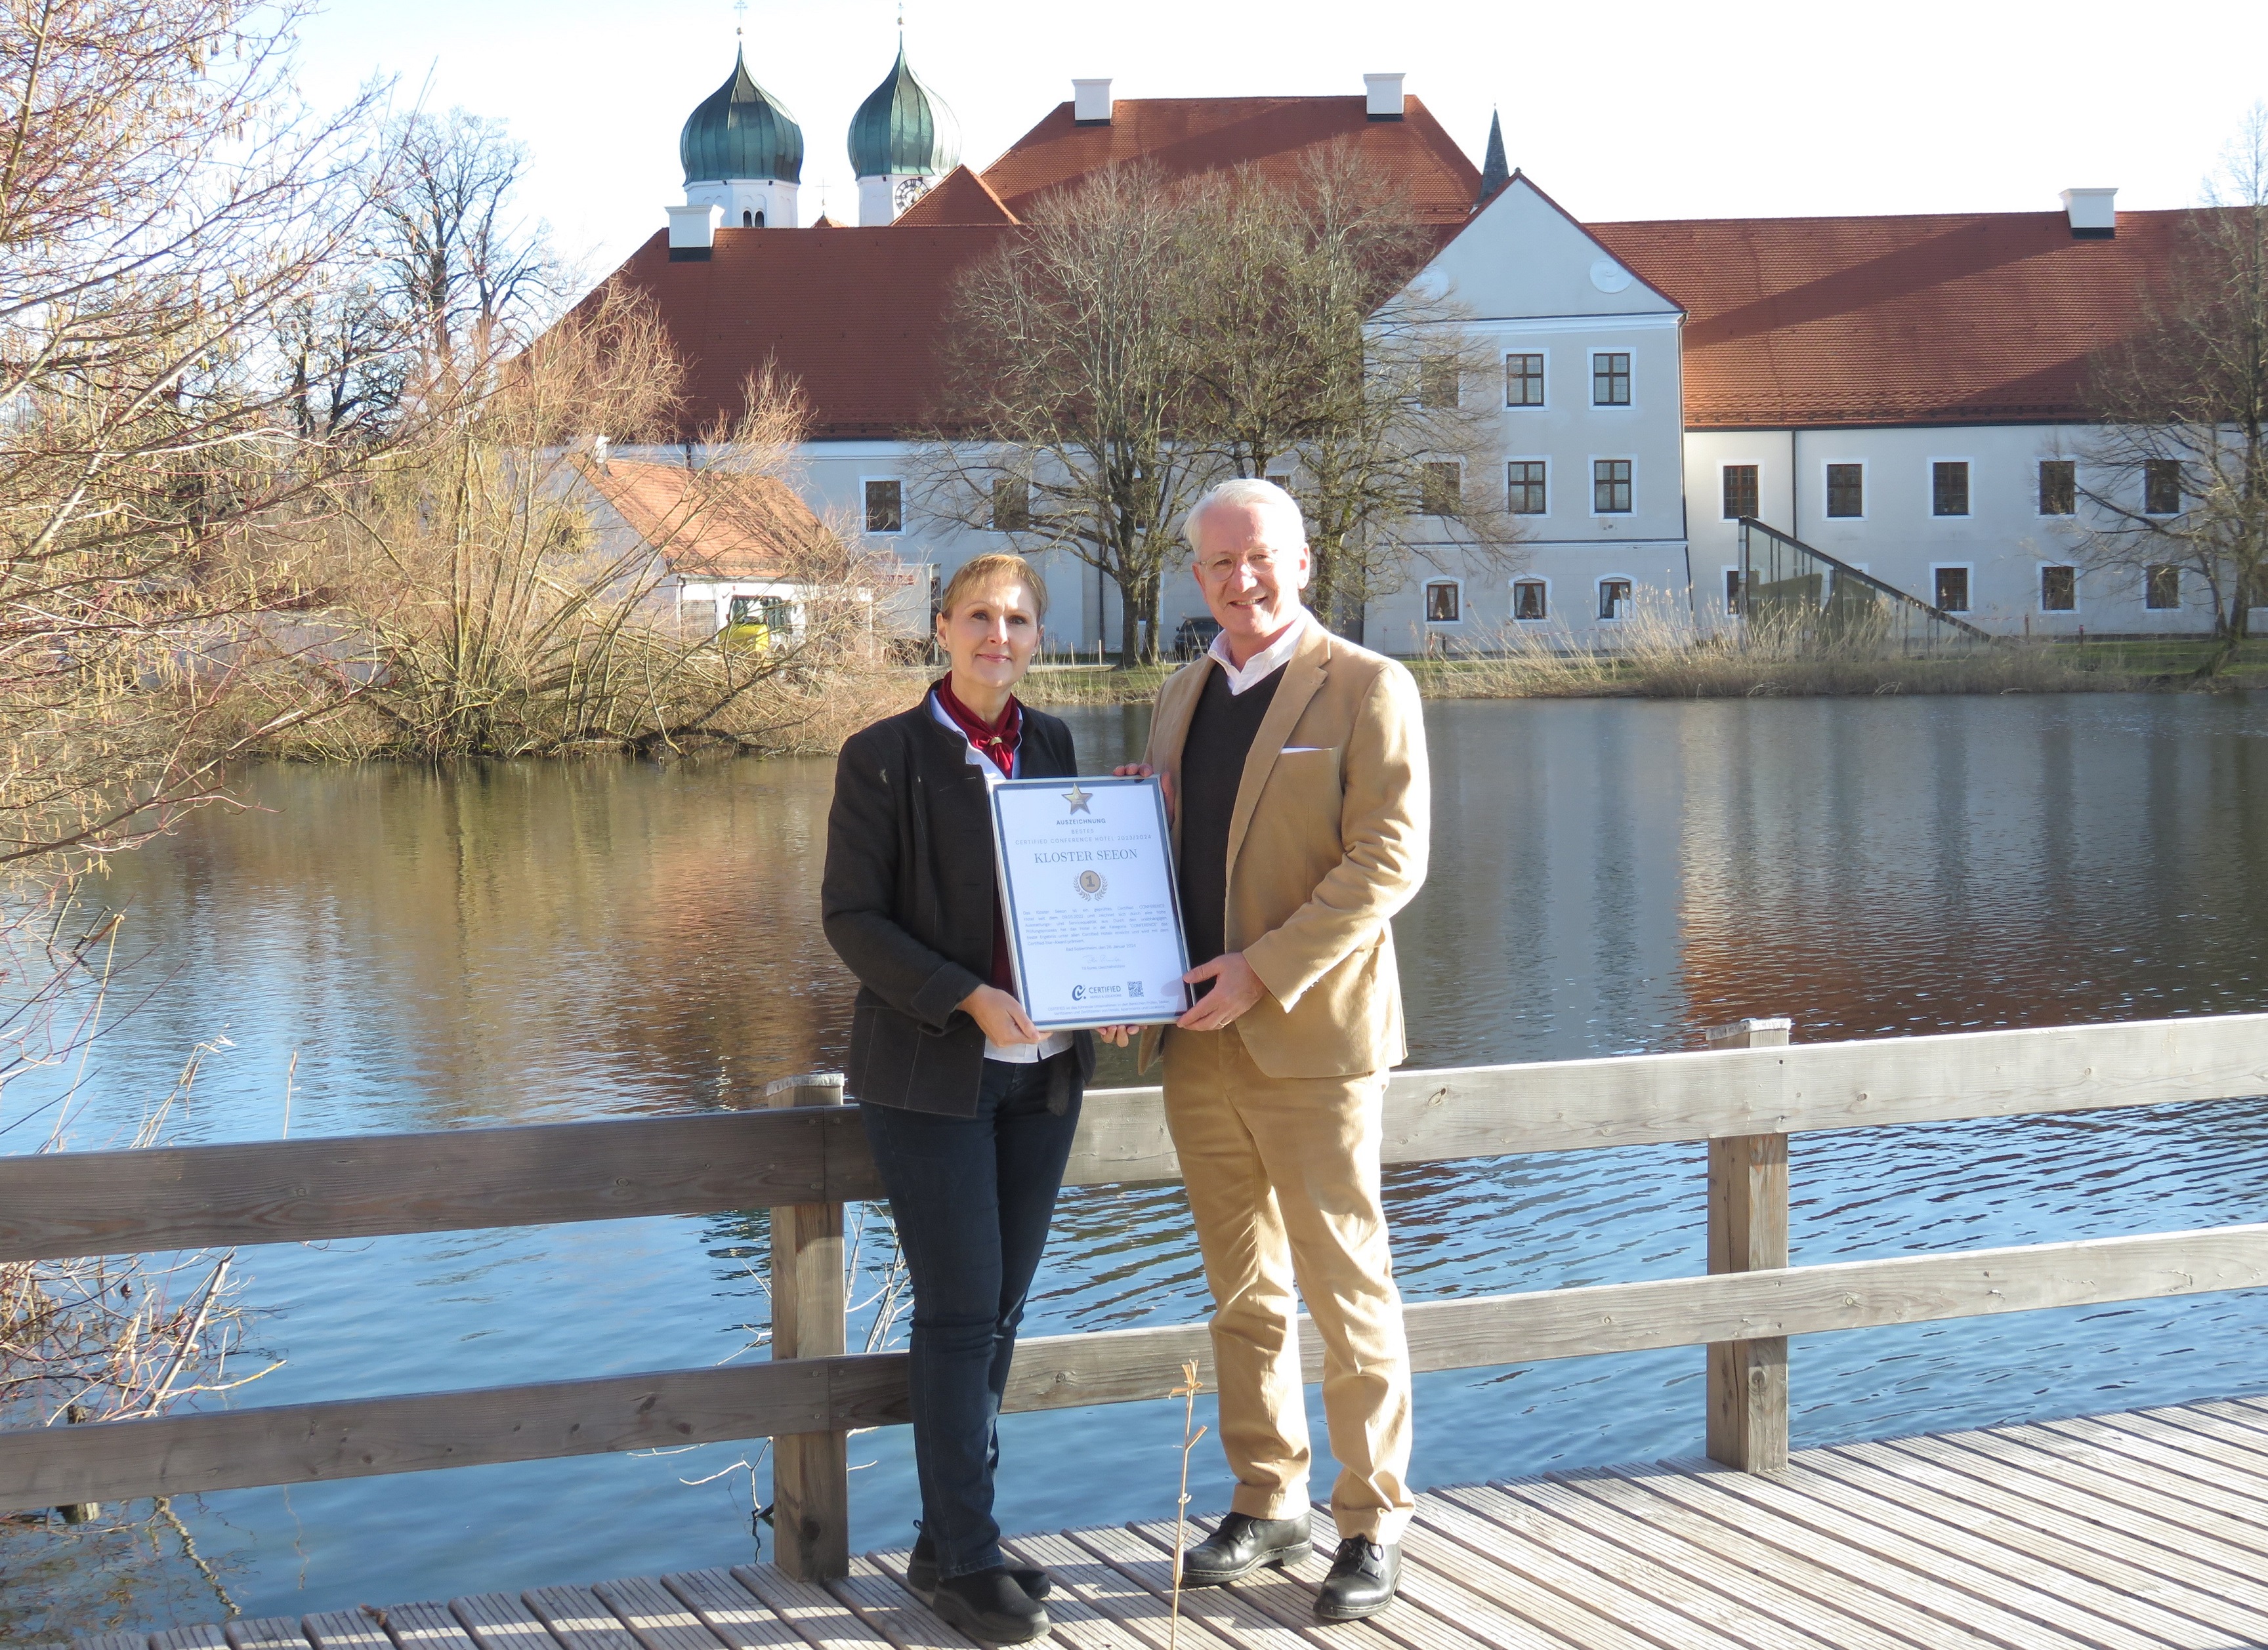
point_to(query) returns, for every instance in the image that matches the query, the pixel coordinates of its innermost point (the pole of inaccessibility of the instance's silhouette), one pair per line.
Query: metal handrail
(1749, 524)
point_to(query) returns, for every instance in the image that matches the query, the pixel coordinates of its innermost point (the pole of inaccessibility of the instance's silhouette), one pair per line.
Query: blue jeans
(972, 1197)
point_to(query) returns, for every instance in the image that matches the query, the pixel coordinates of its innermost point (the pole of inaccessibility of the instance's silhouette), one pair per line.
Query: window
(1740, 491)
(885, 507)
(1012, 503)
(1611, 487)
(1443, 602)
(1524, 486)
(2059, 588)
(2058, 487)
(1441, 488)
(1523, 380)
(1284, 482)
(1611, 378)
(1951, 585)
(2162, 586)
(1732, 589)
(773, 612)
(1949, 487)
(2161, 487)
(1528, 599)
(1614, 598)
(747, 220)
(1846, 490)
(1436, 382)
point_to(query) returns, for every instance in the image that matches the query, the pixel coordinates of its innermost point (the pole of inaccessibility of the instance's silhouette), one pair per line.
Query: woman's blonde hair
(981, 573)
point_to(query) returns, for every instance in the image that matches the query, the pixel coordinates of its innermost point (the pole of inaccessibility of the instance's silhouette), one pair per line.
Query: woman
(969, 1109)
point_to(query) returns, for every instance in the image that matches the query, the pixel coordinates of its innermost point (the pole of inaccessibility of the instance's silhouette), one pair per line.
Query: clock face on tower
(905, 192)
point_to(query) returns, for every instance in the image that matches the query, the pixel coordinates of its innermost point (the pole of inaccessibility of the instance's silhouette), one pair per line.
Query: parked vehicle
(1194, 637)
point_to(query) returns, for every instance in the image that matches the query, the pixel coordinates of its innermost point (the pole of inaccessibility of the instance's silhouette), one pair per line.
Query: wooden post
(1748, 1232)
(811, 1472)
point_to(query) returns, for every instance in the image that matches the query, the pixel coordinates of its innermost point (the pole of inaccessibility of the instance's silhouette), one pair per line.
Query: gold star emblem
(1078, 799)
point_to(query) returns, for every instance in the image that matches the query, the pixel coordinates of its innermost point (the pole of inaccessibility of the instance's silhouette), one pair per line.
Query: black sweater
(1221, 731)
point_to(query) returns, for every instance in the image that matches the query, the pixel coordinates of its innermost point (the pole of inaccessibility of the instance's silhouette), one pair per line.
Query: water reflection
(518, 943)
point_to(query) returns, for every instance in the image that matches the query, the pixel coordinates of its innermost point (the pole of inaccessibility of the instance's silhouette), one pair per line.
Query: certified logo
(1091, 884)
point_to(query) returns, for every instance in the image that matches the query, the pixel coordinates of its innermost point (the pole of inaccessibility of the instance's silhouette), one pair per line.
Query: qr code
(1133, 988)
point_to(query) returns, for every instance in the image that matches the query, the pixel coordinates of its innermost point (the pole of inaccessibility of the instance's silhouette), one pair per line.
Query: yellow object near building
(753, 620)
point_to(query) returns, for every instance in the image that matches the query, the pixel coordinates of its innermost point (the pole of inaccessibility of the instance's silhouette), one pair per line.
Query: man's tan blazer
(1327, 841)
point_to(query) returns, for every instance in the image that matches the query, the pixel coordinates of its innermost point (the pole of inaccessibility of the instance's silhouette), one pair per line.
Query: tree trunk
(1130, 618)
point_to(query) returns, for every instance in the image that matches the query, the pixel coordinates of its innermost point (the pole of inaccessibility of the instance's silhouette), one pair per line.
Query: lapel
(948, 774)
(1169, 730)
(1303, 674)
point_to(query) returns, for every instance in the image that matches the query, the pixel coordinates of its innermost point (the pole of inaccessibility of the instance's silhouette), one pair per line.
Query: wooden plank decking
(2138, 1531)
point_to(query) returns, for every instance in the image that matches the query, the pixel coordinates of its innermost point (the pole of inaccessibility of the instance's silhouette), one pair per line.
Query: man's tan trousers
(1283, 1179)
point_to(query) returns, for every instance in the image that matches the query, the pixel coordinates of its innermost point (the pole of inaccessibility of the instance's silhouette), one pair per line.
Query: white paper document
(1086, 882)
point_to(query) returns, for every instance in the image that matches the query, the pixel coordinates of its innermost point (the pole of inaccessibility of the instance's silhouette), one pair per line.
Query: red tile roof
(1190, 135)
(709, 523)
(1976, 318)
(960, 197)
(853, 313)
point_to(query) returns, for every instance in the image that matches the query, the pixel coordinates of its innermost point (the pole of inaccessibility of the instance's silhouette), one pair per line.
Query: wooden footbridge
(2133, 1531)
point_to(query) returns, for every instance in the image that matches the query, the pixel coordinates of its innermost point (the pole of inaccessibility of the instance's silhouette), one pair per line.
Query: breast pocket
(1307, 775)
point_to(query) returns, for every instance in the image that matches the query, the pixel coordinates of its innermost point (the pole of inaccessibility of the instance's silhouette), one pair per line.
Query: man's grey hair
(1279, 512)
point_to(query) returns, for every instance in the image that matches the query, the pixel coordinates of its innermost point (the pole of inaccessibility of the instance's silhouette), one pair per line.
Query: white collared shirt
(1262, 664)
(1054, 1042)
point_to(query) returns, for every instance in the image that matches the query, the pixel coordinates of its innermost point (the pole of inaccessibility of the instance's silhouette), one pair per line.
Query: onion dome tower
(902, 140)
(743, 152)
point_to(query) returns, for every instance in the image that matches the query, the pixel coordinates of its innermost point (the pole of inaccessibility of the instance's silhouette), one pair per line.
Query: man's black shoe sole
(1363, 1614)
(1275, 1557)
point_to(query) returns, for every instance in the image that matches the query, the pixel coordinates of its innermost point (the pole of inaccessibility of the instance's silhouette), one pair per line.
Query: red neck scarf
(995, 739)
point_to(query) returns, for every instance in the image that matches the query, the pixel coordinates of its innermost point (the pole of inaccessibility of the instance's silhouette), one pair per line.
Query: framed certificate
(1087, 888)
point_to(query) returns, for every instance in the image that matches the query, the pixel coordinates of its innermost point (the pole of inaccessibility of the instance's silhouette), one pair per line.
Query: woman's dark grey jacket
(907, 901)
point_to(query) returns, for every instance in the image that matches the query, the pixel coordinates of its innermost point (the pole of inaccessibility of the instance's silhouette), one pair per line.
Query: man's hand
(1143, 770)
(1235, 988)
(1121, 1035)
(1002, 1017)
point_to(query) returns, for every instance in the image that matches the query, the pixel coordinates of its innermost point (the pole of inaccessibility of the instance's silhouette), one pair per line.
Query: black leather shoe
(989, 1608)
(1364, 1575)
(1242, 1545)
(921, 1573)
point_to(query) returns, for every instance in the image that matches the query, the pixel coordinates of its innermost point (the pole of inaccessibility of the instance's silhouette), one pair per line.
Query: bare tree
(1324, 360)
(1147, 337)
(491, 616)
(1071, 398)
(161, 208)
(467, 274)
(2175, 473)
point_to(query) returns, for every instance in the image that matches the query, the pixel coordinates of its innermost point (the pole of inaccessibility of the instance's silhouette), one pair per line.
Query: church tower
(743, 154)
(902, 140)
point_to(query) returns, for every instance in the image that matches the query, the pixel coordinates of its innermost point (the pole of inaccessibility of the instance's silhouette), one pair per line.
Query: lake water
(522, 944)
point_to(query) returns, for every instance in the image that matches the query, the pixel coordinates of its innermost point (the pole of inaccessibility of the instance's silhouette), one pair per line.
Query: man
(1296, 765)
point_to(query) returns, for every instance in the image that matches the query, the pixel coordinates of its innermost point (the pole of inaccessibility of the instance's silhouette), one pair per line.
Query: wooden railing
(808, 1157)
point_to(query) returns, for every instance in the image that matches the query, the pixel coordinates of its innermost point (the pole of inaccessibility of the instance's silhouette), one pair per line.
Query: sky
(1619, 109)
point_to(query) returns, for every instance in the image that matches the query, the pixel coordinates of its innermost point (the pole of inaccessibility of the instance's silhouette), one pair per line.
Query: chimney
(692, 232)
(2092, 214)
(1382, 100)
(1090, 102)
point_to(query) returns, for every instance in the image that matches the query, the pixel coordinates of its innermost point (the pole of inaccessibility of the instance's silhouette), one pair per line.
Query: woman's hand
(1121, 1035)
(1002, 1017)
